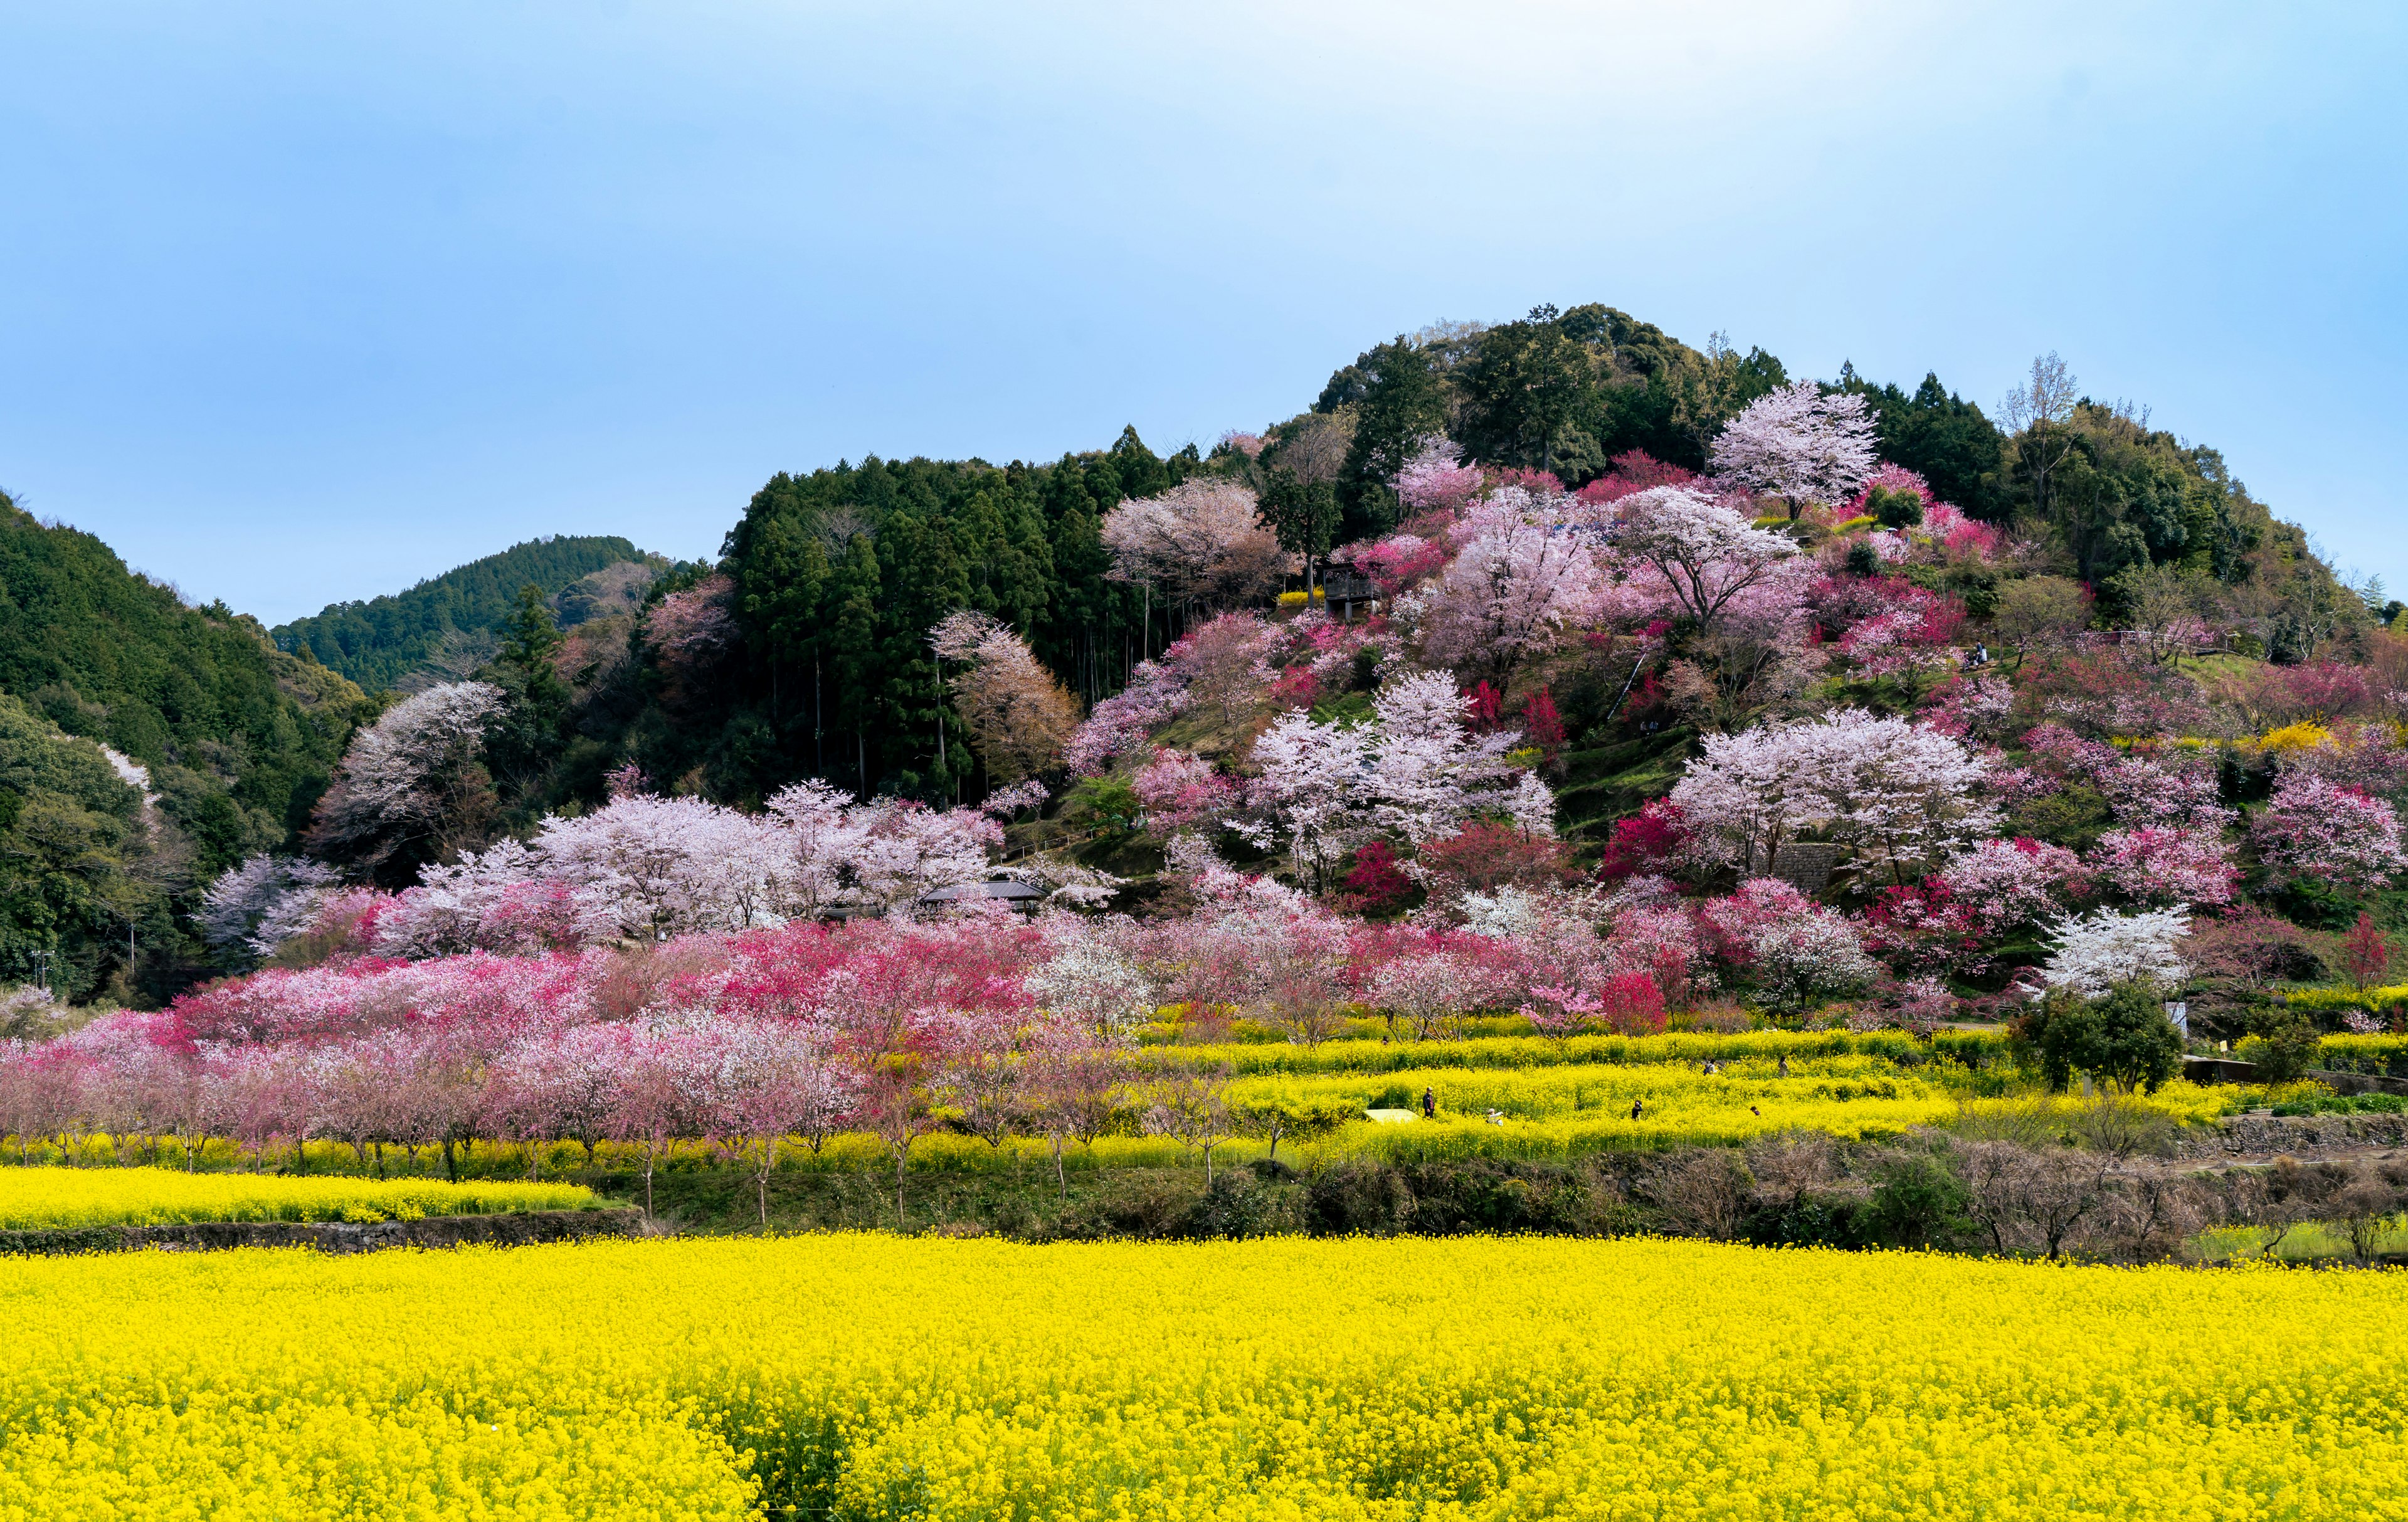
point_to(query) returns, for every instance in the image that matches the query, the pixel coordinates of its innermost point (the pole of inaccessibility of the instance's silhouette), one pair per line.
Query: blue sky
(304, 303)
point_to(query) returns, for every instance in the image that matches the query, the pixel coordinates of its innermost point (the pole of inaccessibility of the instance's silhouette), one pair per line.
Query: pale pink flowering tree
(1121, 723)
(1661, 940)
(1902, 800)
(767, 1080)
(1417, 771)
(2171, 788)
(2093, 953)
(1435, 479)
(1427, 976)
(1091, 978)
(1202, 542)
(1512, 592)
(695, 626)
(1428, 772)
(1798, 444)
(259, 902)
(2012, 883)
(1311, 779)
(411, 777)
(2337, 836)
(1687, 553)
(1974, 707)
(653, 1104)
(1074, 1090)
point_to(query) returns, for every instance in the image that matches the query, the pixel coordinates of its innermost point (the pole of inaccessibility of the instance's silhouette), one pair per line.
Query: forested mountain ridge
(238, 739)
(446, 621)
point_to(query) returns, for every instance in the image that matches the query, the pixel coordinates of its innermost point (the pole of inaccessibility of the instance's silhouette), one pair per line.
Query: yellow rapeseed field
(868, 1377)
(61, 1196)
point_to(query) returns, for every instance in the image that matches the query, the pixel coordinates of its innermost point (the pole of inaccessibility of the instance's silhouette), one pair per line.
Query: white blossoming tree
(1800, 445)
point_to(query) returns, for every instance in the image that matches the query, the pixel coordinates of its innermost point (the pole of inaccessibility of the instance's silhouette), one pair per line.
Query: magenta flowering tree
(2338, 836)
(2167, 864)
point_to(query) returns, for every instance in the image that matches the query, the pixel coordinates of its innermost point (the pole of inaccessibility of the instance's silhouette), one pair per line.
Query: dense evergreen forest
(444, 626)
(237, 739)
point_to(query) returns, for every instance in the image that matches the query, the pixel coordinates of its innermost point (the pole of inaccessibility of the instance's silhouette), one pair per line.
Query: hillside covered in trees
(444, 626)
(232, 739)
(1555, 568)
(805, 653)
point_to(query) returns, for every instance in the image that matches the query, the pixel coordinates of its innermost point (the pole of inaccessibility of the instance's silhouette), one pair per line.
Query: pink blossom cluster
(2011, 883)
(1436, 479)
(1321, 653)
(2341, 836)
(1181, 790)
(2168, 864)
(1122, 722)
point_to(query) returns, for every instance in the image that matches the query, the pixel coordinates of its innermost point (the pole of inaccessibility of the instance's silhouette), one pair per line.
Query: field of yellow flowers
(66, 1196)
(870, 1377)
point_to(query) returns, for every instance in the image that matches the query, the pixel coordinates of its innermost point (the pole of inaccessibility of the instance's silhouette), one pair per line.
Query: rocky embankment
(514, 1230)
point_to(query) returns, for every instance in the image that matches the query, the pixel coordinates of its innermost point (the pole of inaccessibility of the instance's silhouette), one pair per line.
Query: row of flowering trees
(643, 868)
(759, 1043)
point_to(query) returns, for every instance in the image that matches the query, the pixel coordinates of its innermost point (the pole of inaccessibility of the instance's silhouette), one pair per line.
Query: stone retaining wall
(516, 1229)
(2292, 1136)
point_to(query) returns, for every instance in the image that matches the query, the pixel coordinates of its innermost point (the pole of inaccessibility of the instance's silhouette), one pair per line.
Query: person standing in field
(1429, 1104)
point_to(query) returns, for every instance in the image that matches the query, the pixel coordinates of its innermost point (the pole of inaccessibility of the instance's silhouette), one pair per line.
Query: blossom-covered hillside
(1781, 732)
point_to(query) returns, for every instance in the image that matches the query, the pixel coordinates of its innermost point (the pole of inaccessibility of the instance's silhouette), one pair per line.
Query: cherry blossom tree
(2337, 836)
(1181, 790)
(1682, 550)
(1121, 723)
(1192, 1109)
(2166, 864)
(1018, 714)
(1074, 1089)
(1091, 979)
(1798, 444)
(1435, 479)
(2093, 953)
(655, 1103)
(1512, 592)
(1427, 976)
(1310, 782)
(1202, 542)
(411, 784)
(1902, 800)
(262, 900)
(1428, 772)
(1225, 663)
(2012, 883)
